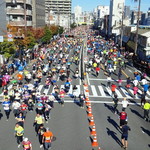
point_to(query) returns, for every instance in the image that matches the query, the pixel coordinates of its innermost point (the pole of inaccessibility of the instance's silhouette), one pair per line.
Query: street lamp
(137, 27)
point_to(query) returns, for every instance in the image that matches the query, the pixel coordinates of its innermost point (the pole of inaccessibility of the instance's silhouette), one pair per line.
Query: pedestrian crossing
(101, 91)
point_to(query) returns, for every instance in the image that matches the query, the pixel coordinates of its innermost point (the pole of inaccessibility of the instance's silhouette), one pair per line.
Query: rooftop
(143, 32)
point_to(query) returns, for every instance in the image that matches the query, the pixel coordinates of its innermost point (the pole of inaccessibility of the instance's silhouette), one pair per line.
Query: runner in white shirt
(16, 106)
(144, 81)
(135, 82)
(125, 103)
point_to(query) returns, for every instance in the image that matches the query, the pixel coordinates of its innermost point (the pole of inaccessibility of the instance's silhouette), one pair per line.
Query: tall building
(102, 11)
(77, 12)
(115, 17)
(3, 22)
(19, 12)
(58, 12)
(134, 16)
(38, 13)
(127, 12)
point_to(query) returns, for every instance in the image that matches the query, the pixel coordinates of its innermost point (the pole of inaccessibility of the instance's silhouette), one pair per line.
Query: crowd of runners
(55, 60)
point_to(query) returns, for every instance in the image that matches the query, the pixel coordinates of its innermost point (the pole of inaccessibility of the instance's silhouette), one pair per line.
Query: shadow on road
(109, 107)
(113, 122)
(136, 112)
(146, 131)
(113, 135)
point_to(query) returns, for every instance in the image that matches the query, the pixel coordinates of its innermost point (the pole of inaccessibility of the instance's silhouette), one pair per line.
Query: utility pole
(137, 28)
(122, 27)
(25, 18)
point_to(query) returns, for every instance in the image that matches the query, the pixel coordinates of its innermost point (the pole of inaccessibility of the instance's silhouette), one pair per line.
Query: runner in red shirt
(26, 144)
(23, 109)
(97, 69)
(123, 118)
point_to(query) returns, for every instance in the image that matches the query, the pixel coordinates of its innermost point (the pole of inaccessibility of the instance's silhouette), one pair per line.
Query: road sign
(9, 35)
(10, 39)
(1, 39)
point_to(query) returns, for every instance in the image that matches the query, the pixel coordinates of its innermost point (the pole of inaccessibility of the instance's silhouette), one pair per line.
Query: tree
(7, 48)
(37, 33)
(47, 35)
(73, 25)
(54, 29)
(60, 30)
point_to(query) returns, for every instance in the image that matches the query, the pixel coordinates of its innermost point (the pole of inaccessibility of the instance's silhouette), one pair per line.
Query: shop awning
(131, 44)
(125, 39)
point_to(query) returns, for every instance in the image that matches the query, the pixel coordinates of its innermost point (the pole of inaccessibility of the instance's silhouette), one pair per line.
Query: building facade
(58, 12)
(38, 13)
(19, 12)
(78, 13)
(115, 19)
(3, 22)
(127, 12)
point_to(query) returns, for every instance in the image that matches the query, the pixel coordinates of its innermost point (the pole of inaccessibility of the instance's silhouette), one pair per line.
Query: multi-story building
(19, 12)
(3, 23)
(115, 18)
(127, 12)
(101, 12)
(38, 13)
(58, 12)
(77, 12)
(134, 16)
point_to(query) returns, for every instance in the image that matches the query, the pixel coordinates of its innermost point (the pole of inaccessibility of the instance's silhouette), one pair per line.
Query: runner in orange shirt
(47, 139)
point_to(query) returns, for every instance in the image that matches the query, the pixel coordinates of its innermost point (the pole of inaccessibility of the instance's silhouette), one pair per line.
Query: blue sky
(89, 5)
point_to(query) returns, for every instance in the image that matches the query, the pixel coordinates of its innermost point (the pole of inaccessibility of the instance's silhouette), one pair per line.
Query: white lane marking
(70, 90)
(99, 102)
(105, 80)
(88, 79)
(109, 91)
(101, 90)
(40, 88)
(118, 93)
(130, 70)
(94, 90)
(125, 93)
(46, 90)
(79, 89)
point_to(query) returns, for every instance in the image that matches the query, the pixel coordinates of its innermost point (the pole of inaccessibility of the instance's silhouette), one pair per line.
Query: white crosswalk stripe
(94, 90)
(46, 90)
(102, 90)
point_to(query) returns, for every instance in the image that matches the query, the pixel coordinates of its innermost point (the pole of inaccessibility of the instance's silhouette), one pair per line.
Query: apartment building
(58, 12)
(38, 13)
(19, 12)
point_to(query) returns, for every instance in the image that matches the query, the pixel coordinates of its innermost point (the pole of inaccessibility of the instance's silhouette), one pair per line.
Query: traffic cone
(88, 104)
(89, 107)
(87, 99)
(91, 123)
(93, 132)
(94, 142)
(89, 113)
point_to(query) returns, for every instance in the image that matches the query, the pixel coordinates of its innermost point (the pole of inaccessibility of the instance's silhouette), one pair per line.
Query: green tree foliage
(73, 25)
(47, 35)
(60, 30)
(7, 48)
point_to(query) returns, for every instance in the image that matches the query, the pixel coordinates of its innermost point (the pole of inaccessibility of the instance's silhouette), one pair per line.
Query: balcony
(20, 23)
(11, 11)
(15, 11)
(29, 2)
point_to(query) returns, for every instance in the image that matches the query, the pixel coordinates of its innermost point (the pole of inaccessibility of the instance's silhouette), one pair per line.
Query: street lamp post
(25, 17)
(137, 28)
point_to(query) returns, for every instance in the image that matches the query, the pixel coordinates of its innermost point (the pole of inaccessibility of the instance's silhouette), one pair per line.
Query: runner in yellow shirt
(19, 132)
